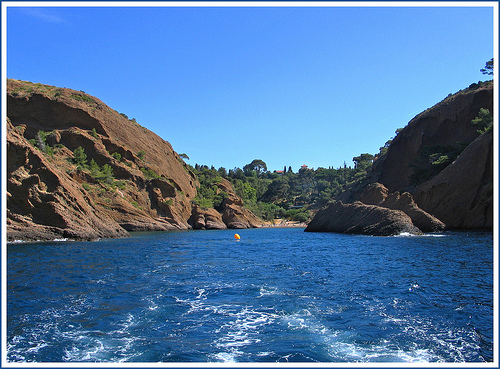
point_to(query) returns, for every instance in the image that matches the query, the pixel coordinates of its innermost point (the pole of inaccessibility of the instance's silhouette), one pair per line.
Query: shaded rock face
(234, 214)
(462, 194)
(447, 123)
(358, 218)
(206, 219)
(50, 196)
(379, 213)
(378, 194)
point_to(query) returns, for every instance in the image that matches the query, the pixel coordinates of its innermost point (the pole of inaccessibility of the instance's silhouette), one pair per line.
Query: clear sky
(287, 85)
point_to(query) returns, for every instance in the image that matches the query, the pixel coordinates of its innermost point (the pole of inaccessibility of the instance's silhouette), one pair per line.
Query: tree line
(279, 194)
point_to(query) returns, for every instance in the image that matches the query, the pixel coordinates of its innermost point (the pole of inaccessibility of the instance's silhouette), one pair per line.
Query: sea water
(275, 295)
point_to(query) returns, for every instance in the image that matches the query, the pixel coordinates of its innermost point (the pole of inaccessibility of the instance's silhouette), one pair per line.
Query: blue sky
(287, 85)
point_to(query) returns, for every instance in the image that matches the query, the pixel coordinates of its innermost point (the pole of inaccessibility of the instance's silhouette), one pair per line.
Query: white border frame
(6, 4)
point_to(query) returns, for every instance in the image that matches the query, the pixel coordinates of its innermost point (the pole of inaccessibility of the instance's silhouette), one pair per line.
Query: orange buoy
(237, 236)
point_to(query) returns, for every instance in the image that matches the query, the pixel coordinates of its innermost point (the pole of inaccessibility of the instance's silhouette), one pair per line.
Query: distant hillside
(79, 169)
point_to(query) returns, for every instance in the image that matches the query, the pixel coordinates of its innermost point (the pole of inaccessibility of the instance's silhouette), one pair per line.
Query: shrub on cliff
(79, 157)
(484, 121)
(432, 160)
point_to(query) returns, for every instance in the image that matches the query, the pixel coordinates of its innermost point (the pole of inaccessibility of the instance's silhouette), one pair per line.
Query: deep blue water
(276, 295)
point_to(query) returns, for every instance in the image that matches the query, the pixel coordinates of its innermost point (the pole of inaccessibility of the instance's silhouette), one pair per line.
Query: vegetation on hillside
(279, 194)
(434, 158)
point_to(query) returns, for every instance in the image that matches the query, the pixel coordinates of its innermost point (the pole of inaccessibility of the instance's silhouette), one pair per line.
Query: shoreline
(284, 224)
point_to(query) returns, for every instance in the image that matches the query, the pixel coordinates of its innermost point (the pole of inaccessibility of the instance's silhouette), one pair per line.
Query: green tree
(484, 121)
(237, 173)
(222, 172)
(488, 68)
(249, 192)
(79, 156)
(94, 169)
(106, 174)
(256, 165)
(363, 162)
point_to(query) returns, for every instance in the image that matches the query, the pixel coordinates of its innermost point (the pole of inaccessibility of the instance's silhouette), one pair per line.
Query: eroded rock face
(359, 218)
(448, 123)
(378, 194)
(462, 194)
(368, 216)
(51, 196)
(207, 218)
(44, 203)
(234, 214)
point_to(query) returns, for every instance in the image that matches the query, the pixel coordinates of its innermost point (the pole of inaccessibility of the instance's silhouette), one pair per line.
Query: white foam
(408, 234)
(85, 354)
(244, 330)
(225, 357)
(267, 291)
(36, 347)
(341, 345)
(201, 294)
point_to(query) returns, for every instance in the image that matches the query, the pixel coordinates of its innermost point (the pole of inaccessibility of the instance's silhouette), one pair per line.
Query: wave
(41, 241)
(408, 234)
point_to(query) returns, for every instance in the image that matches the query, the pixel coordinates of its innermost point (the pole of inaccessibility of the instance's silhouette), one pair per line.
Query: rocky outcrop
(234, 214)
(448, 123)
(359, 218)
(378, 194)
(231, 213)
(206, 218)
(44, 203)
(147, 186)
(237, 216)
(462, 194)
(379, 213)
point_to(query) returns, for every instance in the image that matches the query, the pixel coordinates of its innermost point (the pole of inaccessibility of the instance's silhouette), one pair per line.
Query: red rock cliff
(461, 195)
(147, 186)
(448, 123)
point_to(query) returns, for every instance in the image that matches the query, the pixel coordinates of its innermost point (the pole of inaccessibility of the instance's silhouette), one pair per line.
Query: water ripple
(278, 295)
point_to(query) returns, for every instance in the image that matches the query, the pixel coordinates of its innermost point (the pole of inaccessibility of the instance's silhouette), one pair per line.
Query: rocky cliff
(79, 169)
(379, 213)
(233, 215)
(447, 125)
(359, 218)
(377, 194)
(461, 194)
